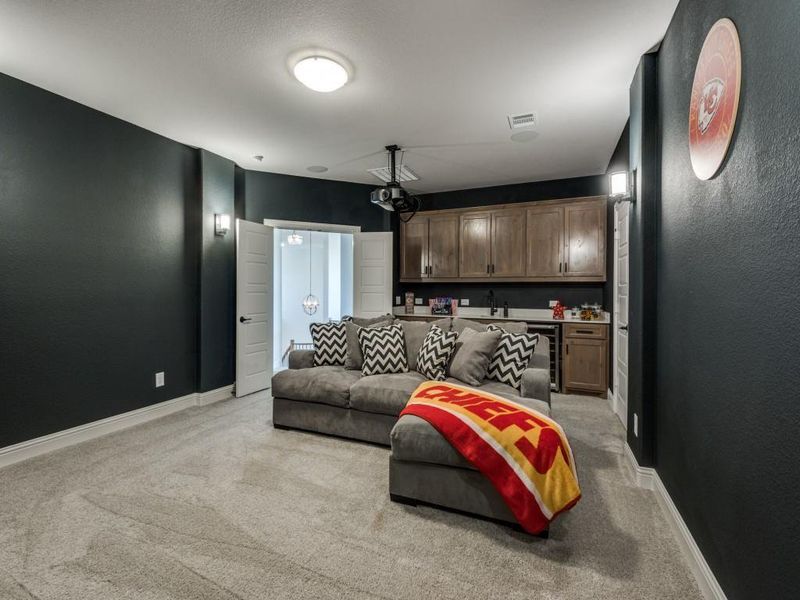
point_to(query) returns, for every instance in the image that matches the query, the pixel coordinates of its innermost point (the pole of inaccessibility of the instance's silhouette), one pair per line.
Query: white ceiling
(439, 76)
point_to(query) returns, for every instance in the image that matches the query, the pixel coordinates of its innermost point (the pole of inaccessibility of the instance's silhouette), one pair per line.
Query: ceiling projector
(392, 196)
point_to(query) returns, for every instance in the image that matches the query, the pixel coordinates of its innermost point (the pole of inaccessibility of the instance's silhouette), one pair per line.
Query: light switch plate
(160, 379)
(418, 301)
(465, 302)
(553, 303)
(397, 300)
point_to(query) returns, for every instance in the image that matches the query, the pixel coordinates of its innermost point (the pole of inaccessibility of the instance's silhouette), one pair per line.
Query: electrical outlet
(465, 302)
(397, 300)
(160, 379)
(552, 303)
(418, 301)
(635, 424)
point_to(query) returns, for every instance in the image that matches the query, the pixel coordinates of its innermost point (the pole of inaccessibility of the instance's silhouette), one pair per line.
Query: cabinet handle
(430, 269)
(488, 268)
(567, 347)
(559, 267)
(492, 267)
(586, 331)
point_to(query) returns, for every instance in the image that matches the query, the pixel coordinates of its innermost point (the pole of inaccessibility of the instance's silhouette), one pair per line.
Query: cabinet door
(443, 246)
(414, 248)
(585, 366)
(475, 254)
(545, 225)
(508, 243)
(585, 231)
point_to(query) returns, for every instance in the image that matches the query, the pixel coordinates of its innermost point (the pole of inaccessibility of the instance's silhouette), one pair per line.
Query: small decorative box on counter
(443, 305)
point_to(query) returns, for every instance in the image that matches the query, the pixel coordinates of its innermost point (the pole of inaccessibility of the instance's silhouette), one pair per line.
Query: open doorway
(313, 283)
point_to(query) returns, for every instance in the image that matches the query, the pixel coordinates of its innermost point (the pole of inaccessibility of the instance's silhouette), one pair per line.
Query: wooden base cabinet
(585, 358)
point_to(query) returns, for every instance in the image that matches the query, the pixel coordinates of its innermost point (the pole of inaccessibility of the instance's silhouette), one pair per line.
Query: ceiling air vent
(522, 121)
(403, 174)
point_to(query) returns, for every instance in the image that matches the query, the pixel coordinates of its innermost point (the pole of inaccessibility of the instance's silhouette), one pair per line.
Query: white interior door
(254, 248)
(621, 288)
(372, 274)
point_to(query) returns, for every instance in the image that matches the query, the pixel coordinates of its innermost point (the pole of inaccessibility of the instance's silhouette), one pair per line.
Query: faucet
(492, 303)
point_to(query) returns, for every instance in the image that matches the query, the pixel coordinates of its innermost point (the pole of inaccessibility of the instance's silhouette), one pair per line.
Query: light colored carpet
(214, 503)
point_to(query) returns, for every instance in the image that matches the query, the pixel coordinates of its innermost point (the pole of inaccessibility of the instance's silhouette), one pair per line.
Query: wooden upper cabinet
(508, 243)
(585, 243)
(414, 248)
(443, 245)
(545, 227)
(475, 252)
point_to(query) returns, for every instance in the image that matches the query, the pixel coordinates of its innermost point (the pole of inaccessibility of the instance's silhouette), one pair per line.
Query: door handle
(623, 328)
(244, 319)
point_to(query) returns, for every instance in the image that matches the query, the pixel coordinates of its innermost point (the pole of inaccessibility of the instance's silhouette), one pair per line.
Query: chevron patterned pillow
(330, 343)
(384, 350)
(435, 352)
(512, 356)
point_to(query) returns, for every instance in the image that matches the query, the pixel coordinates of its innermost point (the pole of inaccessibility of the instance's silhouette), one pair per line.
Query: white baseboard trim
(206, 398)
(619, 409)
(83, 433)
(647, 477)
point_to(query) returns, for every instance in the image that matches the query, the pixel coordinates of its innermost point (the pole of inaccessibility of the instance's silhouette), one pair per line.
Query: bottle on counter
(505, 310)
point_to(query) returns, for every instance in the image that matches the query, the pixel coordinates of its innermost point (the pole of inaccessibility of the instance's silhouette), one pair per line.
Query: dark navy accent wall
(98, 251)
(217, 275)
(728, 278)
(527, 295)
(291, 198)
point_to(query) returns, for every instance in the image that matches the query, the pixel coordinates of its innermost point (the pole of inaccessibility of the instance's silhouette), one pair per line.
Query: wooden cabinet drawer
(587, 330)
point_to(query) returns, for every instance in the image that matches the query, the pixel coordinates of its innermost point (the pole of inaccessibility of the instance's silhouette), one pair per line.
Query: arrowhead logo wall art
(715, 99)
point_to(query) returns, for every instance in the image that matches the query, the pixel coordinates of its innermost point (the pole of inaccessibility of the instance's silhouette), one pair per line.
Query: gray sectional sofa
(424, 467)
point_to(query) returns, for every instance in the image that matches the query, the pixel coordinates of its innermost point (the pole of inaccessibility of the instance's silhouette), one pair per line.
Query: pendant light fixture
(310, 302)
(295, 239)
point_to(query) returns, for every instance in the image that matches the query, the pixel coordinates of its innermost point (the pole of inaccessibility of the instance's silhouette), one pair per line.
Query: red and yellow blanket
(523, 453)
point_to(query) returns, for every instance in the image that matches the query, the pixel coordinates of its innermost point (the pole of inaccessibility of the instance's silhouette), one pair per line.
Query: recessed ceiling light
(317, 169)
(524, 136)
(320, 74)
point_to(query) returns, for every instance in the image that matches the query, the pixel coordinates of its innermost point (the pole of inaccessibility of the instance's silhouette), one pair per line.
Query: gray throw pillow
(474, 350)
(414, 333)
(354, 358)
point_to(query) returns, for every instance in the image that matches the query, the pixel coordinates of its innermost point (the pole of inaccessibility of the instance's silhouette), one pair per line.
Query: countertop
(538, 315)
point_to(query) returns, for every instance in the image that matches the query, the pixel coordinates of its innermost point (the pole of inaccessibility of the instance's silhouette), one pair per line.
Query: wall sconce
(222, 224)
(620, 186)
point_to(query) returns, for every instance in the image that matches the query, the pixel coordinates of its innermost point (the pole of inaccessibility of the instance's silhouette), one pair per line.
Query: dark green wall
(287, 197)
(643, 296)
(728, 278)
(98, 251)
(217, 275)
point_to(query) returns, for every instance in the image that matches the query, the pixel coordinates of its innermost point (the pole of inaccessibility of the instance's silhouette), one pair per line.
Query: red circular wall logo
(715, 98)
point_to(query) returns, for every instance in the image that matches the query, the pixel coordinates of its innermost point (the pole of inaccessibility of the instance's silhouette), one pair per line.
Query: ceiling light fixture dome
(320, 74)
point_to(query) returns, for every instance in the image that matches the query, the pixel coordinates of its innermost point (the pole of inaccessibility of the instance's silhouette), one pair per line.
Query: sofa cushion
(384, 394)
(330, 343)
(435, 352)
(471, 358)
(511, 357)
(384, 350)
(414, 333)
(415, 440)
(354, 358)
(325, 385)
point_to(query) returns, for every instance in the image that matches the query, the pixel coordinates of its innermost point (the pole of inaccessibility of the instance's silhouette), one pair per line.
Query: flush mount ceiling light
(320, 73)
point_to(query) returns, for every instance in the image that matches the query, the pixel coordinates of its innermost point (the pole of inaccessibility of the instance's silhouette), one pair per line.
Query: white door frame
(307, 226)
(619, 407)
